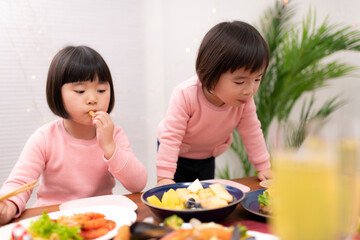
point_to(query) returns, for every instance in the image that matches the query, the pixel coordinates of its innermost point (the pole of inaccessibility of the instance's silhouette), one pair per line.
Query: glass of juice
(315, 190)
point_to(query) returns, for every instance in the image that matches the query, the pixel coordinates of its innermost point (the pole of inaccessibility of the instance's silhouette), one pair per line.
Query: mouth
(242, 101)
(91, 112)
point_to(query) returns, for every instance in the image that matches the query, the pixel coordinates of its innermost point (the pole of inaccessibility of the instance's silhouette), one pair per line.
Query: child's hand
(7, 211)
(104, 132)
(265, 174)
(164, 181)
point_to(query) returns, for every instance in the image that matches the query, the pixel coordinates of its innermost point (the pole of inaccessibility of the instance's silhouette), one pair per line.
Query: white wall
(150, 47)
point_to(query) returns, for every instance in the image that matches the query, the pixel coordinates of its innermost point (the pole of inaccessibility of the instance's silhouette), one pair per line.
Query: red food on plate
(93, 225)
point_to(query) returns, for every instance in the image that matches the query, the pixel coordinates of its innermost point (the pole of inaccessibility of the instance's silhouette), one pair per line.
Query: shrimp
(94, 233)
(110, 224)
(98, 232)
(72, 221)
(94, 223)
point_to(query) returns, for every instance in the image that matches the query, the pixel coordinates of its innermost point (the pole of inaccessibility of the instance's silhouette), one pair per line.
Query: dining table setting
(134, 208)
(252, 219)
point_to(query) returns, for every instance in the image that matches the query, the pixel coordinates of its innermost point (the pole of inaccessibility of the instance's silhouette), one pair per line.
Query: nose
(247, 90)
(91, 98)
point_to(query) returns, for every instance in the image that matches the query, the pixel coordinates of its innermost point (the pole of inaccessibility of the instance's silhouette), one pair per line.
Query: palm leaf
(299, 65)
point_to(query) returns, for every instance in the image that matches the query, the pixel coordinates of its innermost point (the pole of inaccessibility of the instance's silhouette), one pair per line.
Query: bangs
(83, 65)
(249, 51)
(229, 46)
(75, 64)
(251, 58)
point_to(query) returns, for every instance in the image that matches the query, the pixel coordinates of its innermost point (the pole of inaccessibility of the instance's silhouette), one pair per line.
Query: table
(253, 221)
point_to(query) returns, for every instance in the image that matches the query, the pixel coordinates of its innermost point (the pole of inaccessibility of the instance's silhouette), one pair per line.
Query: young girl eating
(80, 154)
(204, 110)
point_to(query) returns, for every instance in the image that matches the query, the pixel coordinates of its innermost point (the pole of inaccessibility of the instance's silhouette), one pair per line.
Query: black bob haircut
(75, 64)
(230, 46)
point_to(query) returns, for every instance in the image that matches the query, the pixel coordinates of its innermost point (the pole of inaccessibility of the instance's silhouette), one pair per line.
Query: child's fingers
(102, 118)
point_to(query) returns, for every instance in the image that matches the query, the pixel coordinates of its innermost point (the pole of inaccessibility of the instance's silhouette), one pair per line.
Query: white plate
(120, 215)
(229, 183)
(257, 235)
(115, 200)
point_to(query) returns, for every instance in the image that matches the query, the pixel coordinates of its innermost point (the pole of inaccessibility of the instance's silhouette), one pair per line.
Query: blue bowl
(204, 215)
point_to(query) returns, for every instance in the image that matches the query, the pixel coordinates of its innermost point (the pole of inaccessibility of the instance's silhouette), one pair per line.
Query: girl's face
(235, 88)
(81, 97)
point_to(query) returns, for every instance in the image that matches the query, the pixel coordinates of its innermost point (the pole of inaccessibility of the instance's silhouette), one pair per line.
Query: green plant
(298, 67)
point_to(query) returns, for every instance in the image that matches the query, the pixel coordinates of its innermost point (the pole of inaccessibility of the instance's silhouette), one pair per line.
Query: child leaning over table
(204, 110)
(78, 155)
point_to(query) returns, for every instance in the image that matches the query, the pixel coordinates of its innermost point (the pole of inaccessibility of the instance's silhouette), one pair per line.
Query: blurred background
(150, 47)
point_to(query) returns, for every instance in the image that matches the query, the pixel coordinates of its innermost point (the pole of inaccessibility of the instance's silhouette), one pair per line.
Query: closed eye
(102, 91)
(258, 80)
(79, 91)
(239, 83)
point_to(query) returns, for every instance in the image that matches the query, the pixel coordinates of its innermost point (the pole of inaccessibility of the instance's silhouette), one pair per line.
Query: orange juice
(306, 198)
(317, 190)
(349, 184)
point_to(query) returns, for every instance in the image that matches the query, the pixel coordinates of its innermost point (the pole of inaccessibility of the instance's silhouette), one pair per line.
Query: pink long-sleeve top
(72, 168)
(194, 128)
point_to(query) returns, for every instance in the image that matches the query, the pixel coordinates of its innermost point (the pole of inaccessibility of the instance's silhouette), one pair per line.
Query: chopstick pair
(23, 188)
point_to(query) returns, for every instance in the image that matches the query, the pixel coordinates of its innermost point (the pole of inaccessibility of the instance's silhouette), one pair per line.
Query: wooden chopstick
(23, 188)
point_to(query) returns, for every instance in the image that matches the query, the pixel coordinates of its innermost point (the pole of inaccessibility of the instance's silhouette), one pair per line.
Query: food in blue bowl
(190, 208)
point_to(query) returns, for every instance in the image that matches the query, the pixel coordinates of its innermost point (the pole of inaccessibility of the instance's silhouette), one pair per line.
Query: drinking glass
(316, 189)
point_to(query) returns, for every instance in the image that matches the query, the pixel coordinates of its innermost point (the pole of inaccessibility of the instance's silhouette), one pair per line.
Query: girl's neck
(213, 99)
(79, 131)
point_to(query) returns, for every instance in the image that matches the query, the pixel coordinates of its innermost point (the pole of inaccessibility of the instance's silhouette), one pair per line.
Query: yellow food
(123, 233)
(195, 196)
(170, 199)
(91, 113)
(221, 192)
(195, 186)
(154, 200)
(205, 193)
(214, 202)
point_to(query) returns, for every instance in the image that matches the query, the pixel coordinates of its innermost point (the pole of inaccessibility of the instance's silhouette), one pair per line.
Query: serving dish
(205, 215)
(120, 215)
(251, 204)
(114, 200)
(240, 186)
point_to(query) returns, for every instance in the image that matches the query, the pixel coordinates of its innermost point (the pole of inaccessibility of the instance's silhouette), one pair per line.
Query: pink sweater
(72, 168)
(195, 128)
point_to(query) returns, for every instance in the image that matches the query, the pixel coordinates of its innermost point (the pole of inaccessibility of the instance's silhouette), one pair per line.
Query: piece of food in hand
(266, 200)
(221, 192)
(195, 186)
(91, 112)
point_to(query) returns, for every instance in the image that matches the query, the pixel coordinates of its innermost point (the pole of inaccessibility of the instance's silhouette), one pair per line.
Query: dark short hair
(75, 64)
(230, 46)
